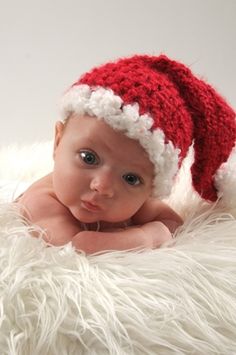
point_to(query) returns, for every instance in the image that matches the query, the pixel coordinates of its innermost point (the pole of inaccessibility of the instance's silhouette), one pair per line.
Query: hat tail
(214, 129)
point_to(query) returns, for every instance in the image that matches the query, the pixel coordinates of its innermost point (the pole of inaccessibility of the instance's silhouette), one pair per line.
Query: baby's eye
(132, 179)
(89, 157)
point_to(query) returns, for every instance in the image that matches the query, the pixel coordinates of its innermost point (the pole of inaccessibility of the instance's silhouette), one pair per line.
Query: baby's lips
(90, 206)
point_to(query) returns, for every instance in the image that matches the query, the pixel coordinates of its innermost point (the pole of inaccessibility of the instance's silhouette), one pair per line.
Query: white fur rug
(180, 299)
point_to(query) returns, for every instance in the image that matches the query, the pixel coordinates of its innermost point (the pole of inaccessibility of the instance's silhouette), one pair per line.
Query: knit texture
(185, 108)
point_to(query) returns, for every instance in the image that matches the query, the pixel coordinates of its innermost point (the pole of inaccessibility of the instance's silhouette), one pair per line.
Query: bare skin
(99, 175)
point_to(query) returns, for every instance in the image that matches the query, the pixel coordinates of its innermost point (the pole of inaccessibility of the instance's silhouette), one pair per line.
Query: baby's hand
(150, 235)
(156, 233)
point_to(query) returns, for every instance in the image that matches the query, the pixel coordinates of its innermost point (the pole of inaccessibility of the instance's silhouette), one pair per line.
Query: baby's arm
(156, 210)
(150, 235)
(61, 228)
(153, 225)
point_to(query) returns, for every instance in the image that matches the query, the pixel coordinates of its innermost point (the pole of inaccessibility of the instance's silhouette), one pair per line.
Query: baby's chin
(89, 217)
(105, 220)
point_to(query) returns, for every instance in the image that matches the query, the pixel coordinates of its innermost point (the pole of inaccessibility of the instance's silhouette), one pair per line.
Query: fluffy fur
(179, 299)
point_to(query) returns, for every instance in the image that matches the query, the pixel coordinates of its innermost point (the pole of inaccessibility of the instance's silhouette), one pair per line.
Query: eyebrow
(139, 168)
(136, 165)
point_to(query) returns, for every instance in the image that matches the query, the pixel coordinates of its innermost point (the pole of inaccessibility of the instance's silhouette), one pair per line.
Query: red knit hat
(160, 103)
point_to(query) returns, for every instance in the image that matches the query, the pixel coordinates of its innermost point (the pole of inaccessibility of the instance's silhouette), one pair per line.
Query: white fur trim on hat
(104, 104)
(225, 180)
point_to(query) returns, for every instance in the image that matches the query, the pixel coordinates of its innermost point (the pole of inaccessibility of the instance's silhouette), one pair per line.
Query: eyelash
(84, 153)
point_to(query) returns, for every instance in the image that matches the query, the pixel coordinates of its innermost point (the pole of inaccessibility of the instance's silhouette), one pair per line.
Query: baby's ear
(59, 128)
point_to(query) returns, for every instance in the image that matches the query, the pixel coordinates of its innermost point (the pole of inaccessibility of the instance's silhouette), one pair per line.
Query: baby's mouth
(90, 206)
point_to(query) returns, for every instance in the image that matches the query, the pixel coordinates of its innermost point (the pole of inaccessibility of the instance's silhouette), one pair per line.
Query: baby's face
(99, 173)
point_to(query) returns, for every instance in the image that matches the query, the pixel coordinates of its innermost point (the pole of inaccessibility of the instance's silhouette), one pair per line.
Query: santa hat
(160, 103)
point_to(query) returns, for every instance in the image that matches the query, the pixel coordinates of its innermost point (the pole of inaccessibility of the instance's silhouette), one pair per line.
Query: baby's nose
(103, 183)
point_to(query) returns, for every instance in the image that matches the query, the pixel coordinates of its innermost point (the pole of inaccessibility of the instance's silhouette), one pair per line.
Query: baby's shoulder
(39, 199)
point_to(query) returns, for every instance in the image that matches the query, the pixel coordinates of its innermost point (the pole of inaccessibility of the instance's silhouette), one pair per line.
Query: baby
(127, 127)
(94, 185)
